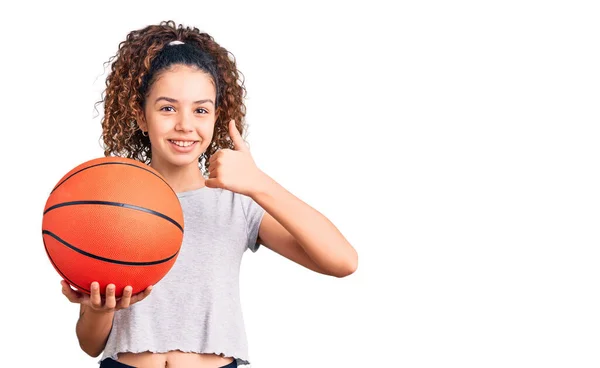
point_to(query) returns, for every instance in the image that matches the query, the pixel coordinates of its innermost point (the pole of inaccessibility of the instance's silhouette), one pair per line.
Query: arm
(93, 328)
(300, 233)
(96, 315)
(289, 227)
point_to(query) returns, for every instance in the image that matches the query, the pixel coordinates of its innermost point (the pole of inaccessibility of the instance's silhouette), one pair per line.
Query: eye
(166, 107)
(205, 111)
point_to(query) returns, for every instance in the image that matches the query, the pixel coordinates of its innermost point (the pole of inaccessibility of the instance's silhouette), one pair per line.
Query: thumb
(236, 137)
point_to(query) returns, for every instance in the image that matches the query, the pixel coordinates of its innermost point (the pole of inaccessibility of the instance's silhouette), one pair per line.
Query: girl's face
(180, 116)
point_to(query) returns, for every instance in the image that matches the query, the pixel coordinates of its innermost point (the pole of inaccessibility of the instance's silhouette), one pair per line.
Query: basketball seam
(113, 163)
(116, 204)
(104, 259)
(60, 272)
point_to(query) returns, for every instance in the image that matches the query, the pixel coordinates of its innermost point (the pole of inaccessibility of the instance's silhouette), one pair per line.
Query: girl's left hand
(235, 169)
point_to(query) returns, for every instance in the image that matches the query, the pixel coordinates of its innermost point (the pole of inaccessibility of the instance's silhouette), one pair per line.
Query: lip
(180, 149)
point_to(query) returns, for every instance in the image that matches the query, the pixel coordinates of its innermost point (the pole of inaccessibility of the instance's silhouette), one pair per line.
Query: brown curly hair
(132, 75)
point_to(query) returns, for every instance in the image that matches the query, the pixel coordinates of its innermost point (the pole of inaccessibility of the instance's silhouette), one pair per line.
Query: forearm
(318, 236)
(93, 329)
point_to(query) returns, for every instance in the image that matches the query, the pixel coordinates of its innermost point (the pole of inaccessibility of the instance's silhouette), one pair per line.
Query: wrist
(97, 313)
(262, 185)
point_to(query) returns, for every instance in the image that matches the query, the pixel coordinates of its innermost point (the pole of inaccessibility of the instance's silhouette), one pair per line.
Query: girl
(174, 100)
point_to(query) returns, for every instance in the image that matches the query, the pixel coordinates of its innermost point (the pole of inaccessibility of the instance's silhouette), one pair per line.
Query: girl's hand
(235, 169)
(104, 304)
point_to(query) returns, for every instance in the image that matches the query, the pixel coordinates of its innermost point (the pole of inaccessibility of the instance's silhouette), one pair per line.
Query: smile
(182, 143)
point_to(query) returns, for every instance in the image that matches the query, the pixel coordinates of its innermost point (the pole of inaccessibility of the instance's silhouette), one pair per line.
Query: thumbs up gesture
(234, 169)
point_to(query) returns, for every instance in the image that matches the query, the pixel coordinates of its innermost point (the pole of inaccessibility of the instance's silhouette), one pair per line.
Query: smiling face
(180, 117)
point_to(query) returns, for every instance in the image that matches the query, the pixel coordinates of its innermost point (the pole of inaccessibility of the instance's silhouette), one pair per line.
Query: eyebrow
(172, 100)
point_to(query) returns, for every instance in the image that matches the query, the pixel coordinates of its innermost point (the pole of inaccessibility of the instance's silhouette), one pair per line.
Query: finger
(211, 183)
(110, 302)
(215, 156)
(236, 138)
(95, 298)
(141, 296)
(126, 298)
(212, 173)
(72, 295)
(212, 167)
(147, 292)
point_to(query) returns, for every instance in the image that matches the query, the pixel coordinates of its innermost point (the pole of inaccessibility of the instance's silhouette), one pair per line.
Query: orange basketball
(112, 220)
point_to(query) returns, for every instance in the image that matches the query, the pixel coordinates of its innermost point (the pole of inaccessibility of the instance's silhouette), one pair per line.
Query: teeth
(183, 144)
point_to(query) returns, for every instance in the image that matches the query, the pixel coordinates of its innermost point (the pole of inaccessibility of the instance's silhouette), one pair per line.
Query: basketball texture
(112, 220)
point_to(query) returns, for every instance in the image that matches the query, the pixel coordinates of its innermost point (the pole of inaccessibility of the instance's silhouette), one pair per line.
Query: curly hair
(139, 60)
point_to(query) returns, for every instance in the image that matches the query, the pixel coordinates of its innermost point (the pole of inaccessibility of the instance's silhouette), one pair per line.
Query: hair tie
(175, 43)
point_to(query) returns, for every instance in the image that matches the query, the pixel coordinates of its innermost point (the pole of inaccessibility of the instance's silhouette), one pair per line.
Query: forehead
(184, 82)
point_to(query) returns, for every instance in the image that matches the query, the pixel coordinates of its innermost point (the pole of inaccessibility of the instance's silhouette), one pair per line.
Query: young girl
(174, 100)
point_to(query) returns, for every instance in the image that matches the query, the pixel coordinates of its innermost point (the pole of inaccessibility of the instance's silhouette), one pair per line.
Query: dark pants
(111, 363)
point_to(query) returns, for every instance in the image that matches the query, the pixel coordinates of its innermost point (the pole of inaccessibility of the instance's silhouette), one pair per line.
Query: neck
(180, 178)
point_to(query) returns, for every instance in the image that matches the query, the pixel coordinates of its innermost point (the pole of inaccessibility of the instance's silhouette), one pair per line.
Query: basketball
(112, 220)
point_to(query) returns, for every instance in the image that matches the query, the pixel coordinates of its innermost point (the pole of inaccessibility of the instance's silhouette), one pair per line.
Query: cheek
(206, 132)
(159, 126)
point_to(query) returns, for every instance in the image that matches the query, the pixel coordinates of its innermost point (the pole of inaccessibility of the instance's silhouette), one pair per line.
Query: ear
(141, 122)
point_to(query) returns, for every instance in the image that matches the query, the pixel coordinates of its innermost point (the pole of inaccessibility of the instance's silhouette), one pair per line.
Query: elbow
(92, 351)
(348, 267)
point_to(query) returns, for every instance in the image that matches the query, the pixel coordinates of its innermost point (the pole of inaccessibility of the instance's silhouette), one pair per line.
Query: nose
(184, 122)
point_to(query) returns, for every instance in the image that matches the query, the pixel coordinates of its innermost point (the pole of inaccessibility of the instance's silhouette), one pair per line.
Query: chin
(184, 162)
(180, 160)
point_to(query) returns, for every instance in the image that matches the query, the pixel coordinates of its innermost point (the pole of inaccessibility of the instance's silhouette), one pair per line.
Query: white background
(455, 145)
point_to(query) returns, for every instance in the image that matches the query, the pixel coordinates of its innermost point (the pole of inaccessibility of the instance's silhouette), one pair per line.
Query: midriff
(173, 359)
